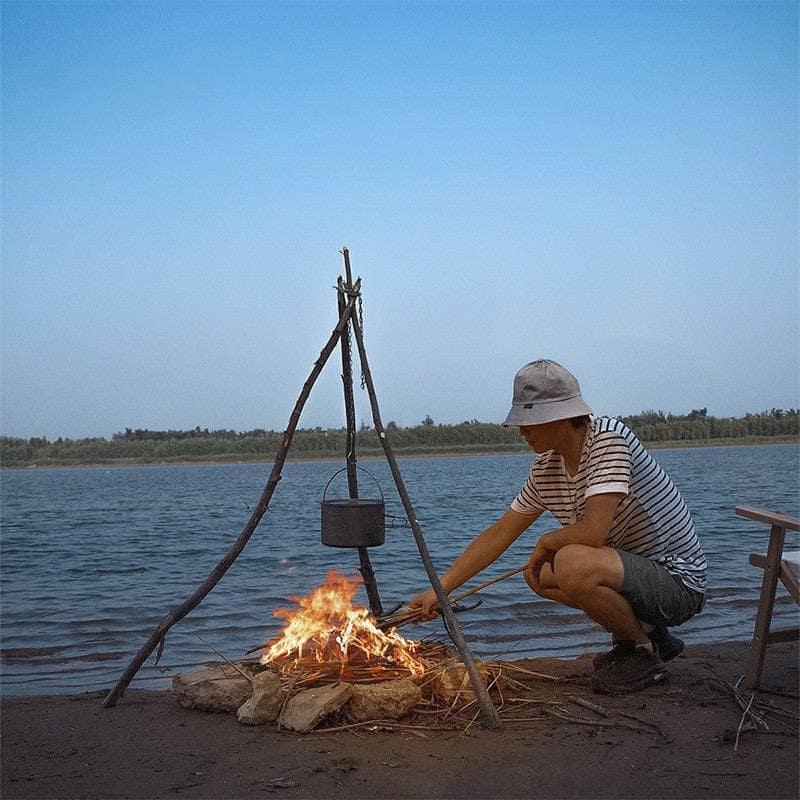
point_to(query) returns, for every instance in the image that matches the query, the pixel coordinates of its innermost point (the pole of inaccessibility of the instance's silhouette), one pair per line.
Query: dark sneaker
(618, 649)
(630, 672)
(668, 646)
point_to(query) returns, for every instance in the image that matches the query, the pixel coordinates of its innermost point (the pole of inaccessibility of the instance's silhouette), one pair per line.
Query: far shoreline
(681, 444)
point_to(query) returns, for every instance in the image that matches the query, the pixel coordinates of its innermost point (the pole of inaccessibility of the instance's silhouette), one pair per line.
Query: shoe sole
(657, 676)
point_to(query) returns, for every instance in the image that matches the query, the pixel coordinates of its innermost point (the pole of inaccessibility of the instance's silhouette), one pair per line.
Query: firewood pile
(333, 668)
(303, 695)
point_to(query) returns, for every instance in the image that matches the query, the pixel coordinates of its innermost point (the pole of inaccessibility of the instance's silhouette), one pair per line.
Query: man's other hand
(543, 553)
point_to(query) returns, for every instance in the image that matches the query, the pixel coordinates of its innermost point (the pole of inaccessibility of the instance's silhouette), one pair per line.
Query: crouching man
(626, 555)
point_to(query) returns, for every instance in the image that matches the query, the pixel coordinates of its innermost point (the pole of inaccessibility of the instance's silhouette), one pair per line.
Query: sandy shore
(149, 747)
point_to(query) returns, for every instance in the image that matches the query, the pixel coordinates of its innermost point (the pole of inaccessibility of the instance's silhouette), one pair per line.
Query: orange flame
(328, 626)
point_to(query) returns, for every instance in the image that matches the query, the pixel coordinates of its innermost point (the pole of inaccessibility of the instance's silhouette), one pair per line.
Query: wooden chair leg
(766, 603)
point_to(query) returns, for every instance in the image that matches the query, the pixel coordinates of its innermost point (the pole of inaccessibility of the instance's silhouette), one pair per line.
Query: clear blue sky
(611, 185)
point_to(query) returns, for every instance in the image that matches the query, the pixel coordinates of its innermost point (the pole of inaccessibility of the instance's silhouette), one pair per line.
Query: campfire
(329, 634)
(332, 667)
(331, 661)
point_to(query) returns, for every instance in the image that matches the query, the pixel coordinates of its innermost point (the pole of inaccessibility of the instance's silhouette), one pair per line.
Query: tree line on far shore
(146, 446)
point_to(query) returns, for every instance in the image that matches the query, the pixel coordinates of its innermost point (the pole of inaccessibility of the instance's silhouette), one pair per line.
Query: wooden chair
(777, 565)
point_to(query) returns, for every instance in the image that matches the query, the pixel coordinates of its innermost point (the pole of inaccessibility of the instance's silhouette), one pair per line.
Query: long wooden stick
(489, 716)
(409, 614)
(488, 583)
(180, 611)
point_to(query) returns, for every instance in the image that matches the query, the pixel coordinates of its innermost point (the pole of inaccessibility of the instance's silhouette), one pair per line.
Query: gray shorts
(655, 595)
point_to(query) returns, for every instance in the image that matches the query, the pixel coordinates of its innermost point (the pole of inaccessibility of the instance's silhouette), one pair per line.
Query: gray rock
(307, 709)
(386, 700)
(266, 701)
(219, 688)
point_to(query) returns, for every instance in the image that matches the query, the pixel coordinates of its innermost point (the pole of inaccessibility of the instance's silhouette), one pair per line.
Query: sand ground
(68, 746)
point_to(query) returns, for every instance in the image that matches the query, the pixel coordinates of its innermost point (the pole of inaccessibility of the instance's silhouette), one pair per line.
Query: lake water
(93, 558)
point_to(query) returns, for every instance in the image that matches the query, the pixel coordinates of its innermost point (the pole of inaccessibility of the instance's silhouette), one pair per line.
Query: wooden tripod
(348, 293)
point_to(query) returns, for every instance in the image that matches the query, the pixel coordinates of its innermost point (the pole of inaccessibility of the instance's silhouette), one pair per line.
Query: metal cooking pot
(353, 522)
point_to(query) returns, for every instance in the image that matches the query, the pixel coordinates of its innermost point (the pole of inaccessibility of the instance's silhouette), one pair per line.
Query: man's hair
(579, 422)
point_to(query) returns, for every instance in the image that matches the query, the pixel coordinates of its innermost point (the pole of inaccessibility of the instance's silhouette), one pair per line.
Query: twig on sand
(644, 722)
(557, 713)
(721, 684)
(470, 723)
(522, 702)
(346, 727)
(385, 724)
(519, 684)
(541, 675)
(582, 701)
(605, 713)
(741, 723)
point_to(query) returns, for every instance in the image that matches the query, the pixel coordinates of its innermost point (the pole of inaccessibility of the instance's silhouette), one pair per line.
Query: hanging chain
(361, 323)
(346, 334)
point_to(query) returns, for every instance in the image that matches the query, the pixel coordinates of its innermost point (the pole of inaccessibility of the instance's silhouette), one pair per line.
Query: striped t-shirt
(652, 520)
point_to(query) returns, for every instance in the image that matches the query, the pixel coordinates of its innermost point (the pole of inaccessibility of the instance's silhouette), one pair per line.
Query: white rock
(219, 688)
(386, 700)
(306, 710)
(266, 701)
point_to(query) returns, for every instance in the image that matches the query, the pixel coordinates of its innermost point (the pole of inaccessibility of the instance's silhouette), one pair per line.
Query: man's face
(541, 438)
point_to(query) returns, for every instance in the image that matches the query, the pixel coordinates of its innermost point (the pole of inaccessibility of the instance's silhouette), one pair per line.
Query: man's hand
(543, 553)
(427, 604)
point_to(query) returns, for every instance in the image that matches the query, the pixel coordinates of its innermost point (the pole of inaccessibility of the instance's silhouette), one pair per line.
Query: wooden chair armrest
(783, 521)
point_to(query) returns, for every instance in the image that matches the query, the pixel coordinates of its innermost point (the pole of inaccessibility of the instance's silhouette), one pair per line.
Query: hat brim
(539, 413)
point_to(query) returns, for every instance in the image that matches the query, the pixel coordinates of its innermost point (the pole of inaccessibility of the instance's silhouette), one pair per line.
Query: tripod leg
(180, 611)
(489, 716)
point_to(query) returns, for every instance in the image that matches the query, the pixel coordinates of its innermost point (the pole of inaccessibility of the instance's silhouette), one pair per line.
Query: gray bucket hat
(544, 391)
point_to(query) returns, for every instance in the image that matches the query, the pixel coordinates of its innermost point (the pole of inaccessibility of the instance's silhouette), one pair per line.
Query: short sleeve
(609, 468)
(528, 500)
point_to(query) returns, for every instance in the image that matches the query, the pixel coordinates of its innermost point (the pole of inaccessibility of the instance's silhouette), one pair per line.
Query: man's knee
(580, 568)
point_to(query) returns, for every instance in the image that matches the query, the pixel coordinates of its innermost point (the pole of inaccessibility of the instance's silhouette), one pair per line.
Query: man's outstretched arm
(484, 549)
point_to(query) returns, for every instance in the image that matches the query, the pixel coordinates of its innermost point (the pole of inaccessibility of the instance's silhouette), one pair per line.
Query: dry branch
(583, 702)
(540, 675)
(248, 675)
(558, 714)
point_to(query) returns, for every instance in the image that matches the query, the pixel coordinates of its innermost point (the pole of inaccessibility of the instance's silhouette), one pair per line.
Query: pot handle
(338, 472)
